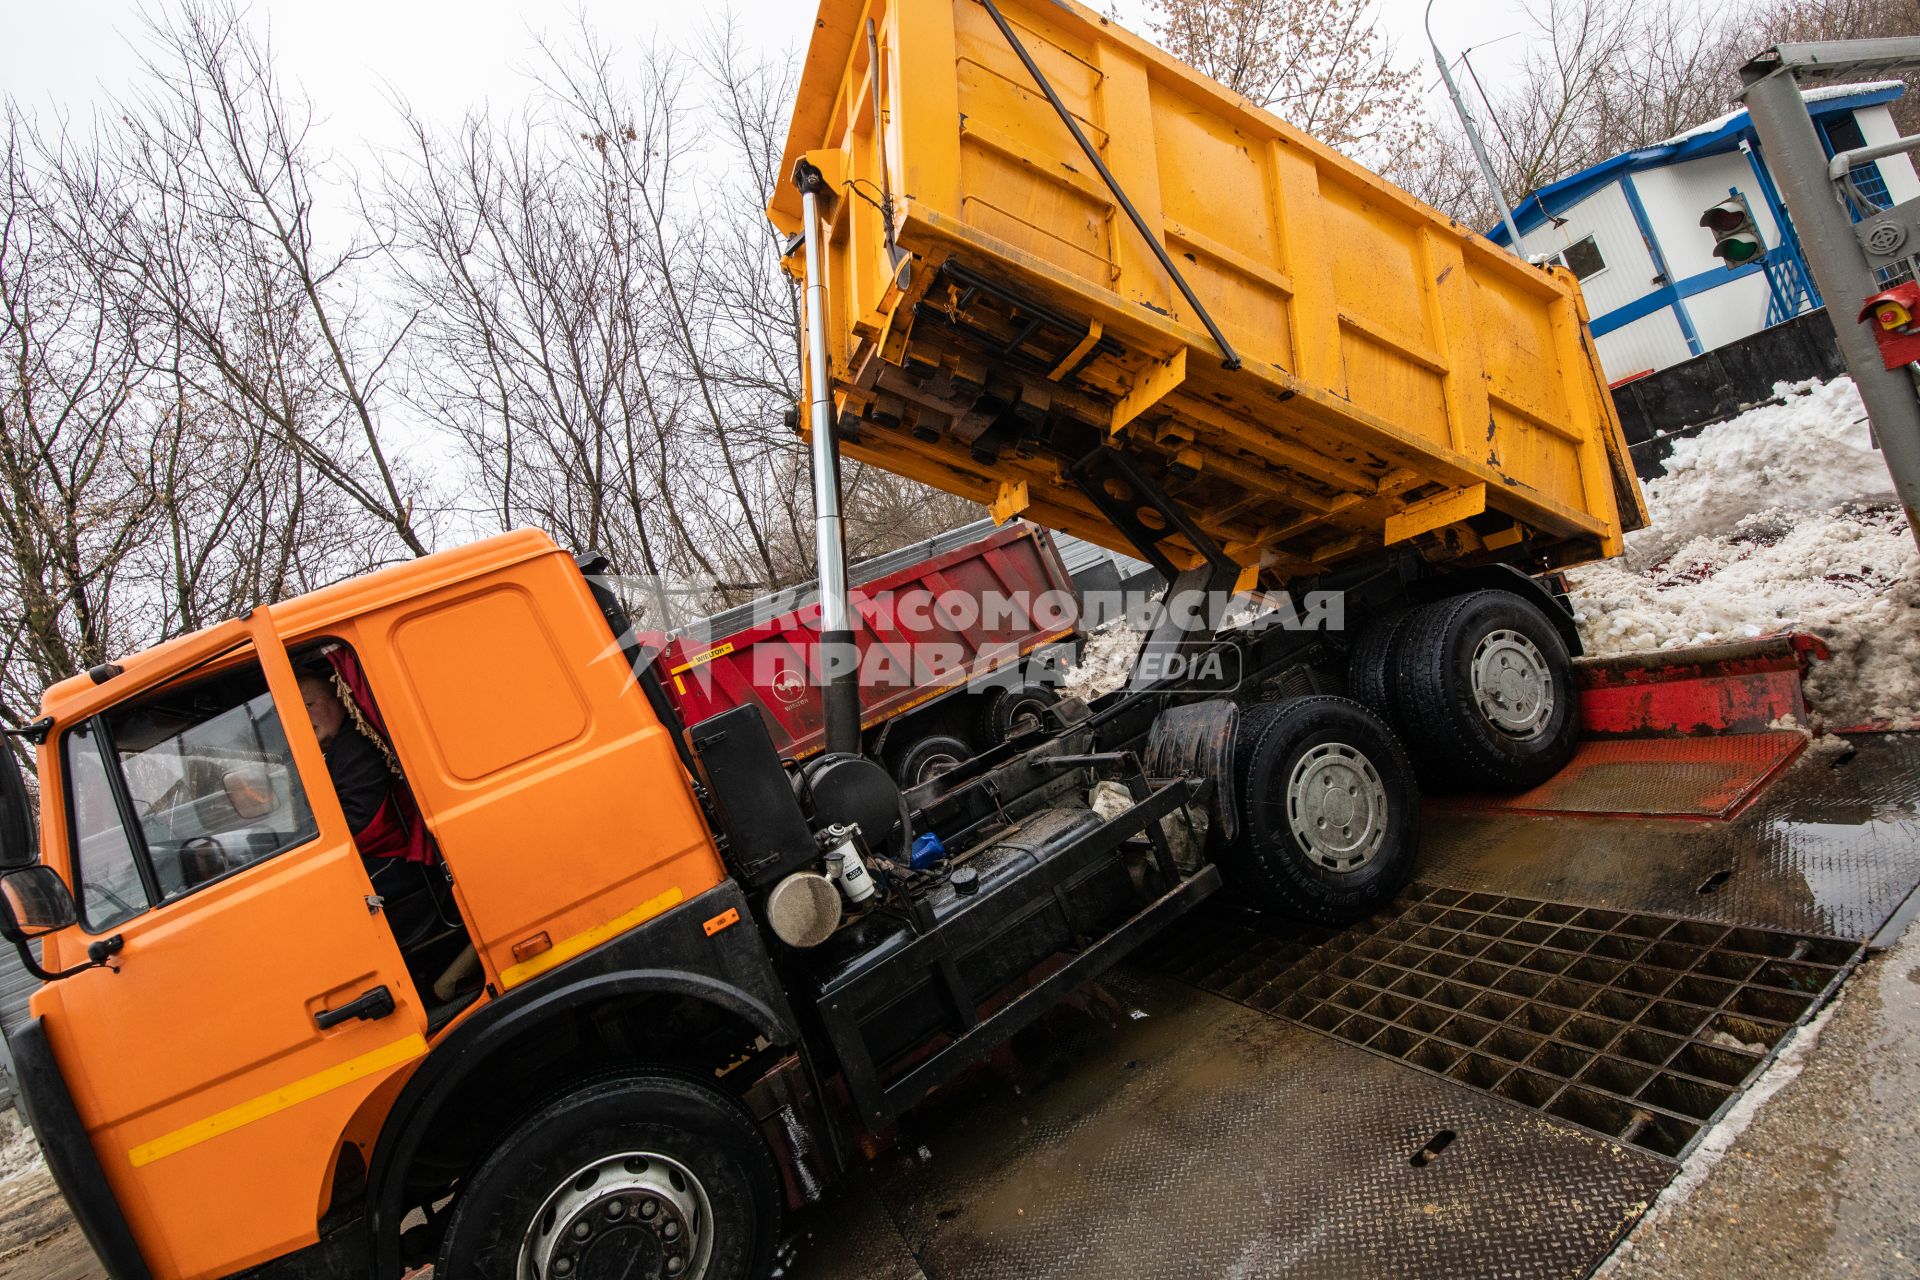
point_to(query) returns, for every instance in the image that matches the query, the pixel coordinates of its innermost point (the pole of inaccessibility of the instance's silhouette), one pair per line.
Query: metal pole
(839, 661)
(1473, 137)
(1799, 166)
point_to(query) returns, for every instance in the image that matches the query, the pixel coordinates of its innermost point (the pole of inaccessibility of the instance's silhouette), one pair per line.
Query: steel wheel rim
(620, 1204)
(1512, 684)
(1027, 714)
(1337, 807)
(933, 766)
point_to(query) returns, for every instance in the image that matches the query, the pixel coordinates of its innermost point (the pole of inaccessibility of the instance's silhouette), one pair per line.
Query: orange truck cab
(225, 1101)
(606, 992)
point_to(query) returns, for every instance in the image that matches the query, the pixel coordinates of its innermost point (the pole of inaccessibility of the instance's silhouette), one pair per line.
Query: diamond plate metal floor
(1206, 1139)
(1831, 846)
(1663, 777)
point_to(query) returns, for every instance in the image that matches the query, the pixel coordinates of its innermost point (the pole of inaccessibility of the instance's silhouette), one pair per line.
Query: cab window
(184, 786)
(109, 872)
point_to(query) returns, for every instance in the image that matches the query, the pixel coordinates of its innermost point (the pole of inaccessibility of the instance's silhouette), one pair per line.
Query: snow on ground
(1780, 519)
(19, 1153)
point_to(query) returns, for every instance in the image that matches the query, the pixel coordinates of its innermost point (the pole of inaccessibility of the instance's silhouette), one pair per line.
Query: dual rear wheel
(1479, 686)
(1474, 691)
(1329, 810)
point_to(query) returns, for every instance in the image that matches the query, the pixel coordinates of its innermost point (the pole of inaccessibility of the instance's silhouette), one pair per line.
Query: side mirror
(19, 839)
(249, 790)
(34, 902)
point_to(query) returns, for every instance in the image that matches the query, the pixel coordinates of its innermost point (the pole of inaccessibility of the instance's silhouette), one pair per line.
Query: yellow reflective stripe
(566, 950)
(267, 1104)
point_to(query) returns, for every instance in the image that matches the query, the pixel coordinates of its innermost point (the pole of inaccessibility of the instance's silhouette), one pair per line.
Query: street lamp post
(1473, 137)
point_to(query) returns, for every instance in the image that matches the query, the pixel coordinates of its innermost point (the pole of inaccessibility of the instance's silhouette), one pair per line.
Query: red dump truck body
(925, 630)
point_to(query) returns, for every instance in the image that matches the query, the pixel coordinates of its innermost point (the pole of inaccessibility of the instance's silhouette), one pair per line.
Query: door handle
(368, 1006)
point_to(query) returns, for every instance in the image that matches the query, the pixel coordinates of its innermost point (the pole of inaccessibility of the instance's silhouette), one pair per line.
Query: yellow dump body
(1404, 380)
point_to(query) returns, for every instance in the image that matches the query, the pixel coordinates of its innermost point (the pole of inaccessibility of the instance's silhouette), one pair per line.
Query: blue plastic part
(927, 850)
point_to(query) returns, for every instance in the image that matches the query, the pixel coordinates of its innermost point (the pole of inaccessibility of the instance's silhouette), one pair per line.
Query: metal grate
(1639, 1027)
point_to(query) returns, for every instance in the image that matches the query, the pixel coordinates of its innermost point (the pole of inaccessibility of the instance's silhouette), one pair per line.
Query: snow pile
(19, 1153)
(1779, 520)
(1106, 661)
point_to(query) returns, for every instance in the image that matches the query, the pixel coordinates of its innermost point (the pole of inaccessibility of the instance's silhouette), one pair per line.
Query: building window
(1582, 257)
(1842, 133)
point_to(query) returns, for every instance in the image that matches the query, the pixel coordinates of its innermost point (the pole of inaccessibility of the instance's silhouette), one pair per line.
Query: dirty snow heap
(1782, 519)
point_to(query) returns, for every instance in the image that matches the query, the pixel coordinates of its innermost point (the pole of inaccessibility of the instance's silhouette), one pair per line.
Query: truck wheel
(1371, 665)
(927, 758)
(1484, 690)
(641, 1175)
(1330, 809)
(1011, 711)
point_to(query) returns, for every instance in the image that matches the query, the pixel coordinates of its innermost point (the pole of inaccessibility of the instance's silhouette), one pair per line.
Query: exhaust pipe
(839, 658)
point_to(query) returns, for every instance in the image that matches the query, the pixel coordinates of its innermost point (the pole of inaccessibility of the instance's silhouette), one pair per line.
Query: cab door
(258, 997)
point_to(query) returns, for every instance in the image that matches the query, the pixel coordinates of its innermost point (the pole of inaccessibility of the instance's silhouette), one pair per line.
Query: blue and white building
(1630, 228)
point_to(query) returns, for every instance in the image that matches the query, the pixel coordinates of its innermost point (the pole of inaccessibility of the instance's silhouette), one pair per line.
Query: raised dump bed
(1383, 376)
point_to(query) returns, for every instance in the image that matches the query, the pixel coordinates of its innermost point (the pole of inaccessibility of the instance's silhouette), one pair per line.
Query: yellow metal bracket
(1155, 384)
(1435, 513)
(1079, 352)
(1507, 537)
(1010, 502)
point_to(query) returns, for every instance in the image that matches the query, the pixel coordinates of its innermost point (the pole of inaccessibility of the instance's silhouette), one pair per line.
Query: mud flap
(1196, 741)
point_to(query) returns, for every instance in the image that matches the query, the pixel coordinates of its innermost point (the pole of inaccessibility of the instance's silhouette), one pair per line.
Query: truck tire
(621, 1176)
(926, 758)
(1484, 691)
(1330, 811)
(1006, 712)
(1372, 664)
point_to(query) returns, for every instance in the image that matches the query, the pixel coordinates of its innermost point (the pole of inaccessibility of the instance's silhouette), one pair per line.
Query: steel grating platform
(1830, 846)
(1174, 1134)
(1643, 1028)
(1655, 777)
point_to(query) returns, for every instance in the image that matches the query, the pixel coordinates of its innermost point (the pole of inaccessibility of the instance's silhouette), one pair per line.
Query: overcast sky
(352, 57)
(445, 56)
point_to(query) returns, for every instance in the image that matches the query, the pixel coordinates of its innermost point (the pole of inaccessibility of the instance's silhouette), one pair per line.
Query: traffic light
(1736, 240)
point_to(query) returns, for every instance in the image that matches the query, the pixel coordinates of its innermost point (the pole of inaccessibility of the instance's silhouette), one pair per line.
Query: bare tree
(204, 330)
(1603, 78)
(1840, 20)
(74, 509)
(603, 322)
(134, 508)
(1323, 65)
(218, 238)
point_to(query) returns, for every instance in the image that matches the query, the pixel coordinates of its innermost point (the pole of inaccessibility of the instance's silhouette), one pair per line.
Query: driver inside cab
(359, 771)
(365, 775)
